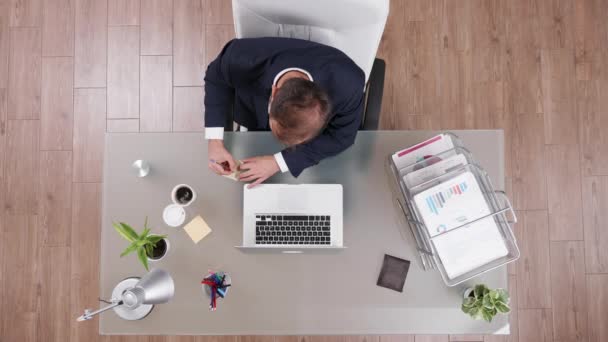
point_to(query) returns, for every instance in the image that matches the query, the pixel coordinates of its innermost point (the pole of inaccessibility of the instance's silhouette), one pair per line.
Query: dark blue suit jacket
(243, 73)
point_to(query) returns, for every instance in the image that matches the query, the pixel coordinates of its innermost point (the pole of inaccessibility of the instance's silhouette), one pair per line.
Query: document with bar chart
(451, 204)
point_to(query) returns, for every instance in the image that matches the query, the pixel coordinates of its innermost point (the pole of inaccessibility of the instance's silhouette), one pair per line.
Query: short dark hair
(293, 104)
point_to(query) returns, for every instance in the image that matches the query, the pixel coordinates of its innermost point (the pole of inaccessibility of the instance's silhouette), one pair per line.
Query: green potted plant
(148, 246)
(481, 302)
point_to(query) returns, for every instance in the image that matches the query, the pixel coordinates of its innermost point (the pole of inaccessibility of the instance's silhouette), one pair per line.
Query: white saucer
(174, 215)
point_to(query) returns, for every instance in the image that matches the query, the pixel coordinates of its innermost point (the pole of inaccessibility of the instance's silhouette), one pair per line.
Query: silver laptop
(292, 218)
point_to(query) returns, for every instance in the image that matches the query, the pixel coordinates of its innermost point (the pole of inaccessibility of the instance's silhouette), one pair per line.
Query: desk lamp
(134, 298)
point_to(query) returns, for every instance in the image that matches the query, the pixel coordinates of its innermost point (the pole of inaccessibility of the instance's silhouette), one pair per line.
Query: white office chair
(352, 26)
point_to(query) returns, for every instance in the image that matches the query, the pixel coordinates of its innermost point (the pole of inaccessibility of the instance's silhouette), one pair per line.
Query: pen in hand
(225, 165)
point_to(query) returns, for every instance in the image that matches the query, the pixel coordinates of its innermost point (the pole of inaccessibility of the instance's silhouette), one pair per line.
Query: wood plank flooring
(123, 72)
(57, 103)
(24, 73)
(71, 70)
(58, 28)
(90, 43)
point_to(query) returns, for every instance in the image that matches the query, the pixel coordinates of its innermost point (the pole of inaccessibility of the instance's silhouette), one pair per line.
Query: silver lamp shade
(156, 287)
(134, 298)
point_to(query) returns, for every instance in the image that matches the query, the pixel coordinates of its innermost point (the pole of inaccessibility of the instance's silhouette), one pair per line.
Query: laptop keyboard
(292, 230)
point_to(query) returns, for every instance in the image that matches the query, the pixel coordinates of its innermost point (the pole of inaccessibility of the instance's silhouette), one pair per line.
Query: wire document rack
(474, 235)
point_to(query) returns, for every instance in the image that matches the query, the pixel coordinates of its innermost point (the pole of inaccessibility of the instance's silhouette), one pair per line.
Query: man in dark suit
(310, 96)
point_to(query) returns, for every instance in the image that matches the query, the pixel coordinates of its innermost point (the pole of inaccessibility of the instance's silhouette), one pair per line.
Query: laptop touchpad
(293, 199)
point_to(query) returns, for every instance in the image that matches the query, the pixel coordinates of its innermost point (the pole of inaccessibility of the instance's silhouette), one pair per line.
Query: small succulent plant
(483, 303)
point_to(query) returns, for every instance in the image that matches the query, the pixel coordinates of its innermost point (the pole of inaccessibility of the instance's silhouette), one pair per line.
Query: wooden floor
(72, 69)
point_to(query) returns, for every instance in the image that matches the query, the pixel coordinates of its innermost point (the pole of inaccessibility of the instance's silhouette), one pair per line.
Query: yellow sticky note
(197, 229)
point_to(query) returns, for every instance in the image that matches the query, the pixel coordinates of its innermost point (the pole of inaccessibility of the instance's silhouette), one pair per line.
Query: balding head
(299, 111)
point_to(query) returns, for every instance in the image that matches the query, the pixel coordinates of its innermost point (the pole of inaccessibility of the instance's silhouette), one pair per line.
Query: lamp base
(122, 311)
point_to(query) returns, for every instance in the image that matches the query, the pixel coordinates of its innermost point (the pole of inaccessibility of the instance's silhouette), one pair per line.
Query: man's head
(299, 111)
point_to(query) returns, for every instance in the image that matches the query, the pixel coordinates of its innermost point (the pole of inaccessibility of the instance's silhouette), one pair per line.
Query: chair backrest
(352, 26)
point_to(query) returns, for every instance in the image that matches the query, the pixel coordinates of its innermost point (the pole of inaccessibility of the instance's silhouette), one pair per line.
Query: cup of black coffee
(183, 195)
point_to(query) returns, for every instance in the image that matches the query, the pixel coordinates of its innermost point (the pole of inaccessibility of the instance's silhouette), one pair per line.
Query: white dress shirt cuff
(214, 133)
(282, 165)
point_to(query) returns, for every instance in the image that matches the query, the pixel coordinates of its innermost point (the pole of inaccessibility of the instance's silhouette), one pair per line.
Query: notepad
(197, 229)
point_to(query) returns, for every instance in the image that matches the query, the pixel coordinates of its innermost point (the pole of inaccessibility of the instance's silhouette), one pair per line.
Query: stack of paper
(436, 167)
(470, 247)
(423, 150)
(428, 160)
(453, 204)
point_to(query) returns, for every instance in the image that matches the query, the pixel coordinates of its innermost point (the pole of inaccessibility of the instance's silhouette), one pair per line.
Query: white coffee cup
(183, 195)
(174, 215)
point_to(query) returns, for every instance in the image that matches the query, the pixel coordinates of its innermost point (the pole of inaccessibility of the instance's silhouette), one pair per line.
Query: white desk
(311, 293)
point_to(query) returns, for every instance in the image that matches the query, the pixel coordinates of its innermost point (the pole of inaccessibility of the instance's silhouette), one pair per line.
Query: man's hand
(258, 169)
(220, 160)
